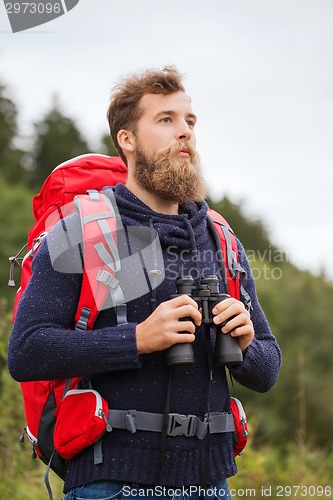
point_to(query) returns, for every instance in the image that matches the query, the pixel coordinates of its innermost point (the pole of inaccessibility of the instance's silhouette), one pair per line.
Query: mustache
(177, 148)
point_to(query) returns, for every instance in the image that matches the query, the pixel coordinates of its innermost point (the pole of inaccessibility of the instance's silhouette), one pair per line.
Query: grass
(295, 472)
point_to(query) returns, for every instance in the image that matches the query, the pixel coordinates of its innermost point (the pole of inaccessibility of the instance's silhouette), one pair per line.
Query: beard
(171, 177)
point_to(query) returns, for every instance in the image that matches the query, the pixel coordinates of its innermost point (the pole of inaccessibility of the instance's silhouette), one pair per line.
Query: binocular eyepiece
(207, 296)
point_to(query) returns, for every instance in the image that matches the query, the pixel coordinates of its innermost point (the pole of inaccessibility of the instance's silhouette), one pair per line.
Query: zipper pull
(244, 433)
(24, 431)
(15, 261)
(34, 453)
(103, 416)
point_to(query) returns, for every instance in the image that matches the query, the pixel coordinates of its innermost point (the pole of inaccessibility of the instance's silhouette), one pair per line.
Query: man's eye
(166, 119)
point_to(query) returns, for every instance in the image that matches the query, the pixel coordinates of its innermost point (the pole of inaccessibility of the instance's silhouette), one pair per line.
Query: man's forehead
(152, 104)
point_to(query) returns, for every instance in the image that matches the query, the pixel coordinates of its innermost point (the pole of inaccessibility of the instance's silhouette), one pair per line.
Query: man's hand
(240, 325)
(161, 329)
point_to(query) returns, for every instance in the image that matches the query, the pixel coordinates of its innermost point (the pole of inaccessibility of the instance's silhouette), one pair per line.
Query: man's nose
(184, 132)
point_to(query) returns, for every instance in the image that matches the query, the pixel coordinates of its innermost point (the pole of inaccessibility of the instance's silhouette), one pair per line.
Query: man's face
(165, 120)
(166, 161)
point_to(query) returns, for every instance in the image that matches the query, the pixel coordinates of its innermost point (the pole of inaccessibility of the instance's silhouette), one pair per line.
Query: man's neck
(152, 200)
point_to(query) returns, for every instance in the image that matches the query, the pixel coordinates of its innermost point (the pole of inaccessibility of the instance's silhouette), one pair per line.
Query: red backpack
(72, 180)
(53, 202)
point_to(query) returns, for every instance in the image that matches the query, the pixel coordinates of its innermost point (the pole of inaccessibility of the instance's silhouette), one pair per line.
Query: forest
(290, 450)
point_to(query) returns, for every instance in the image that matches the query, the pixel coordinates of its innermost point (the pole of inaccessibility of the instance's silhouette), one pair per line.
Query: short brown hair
(124, 111)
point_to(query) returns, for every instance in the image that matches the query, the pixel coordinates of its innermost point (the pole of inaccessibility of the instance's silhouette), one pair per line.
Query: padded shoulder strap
(234, 273)
(101, 259)
(227, 244)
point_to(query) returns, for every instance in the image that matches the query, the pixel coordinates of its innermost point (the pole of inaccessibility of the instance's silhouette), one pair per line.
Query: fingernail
(214, 311)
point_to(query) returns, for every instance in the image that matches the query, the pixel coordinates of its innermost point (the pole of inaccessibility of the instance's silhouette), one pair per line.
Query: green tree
(107, 147)
(57, 139)
(297, 305)
(15, 221)
(252, 233)
(299, 409)
(11, 157)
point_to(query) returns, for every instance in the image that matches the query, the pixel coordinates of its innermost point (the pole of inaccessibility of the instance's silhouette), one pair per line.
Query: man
(152, 125)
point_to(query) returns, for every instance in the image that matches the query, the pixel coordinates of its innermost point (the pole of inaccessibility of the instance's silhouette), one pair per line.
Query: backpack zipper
(99, 412)
(99, 405)
(242, 416)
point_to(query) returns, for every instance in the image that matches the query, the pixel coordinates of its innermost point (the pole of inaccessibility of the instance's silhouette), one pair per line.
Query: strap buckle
(129, 421)
(182, 425)
(82, 323)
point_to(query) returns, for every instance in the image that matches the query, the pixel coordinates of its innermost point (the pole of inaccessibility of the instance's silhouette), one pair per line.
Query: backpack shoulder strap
(227, 245)
(101, 259)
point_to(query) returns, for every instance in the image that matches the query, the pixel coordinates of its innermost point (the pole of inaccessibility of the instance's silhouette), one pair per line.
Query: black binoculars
(206, 295)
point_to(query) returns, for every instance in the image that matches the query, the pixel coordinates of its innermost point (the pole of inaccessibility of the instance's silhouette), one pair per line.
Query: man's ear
(126, 141)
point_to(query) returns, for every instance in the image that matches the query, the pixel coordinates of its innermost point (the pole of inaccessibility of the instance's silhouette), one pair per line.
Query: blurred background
(260, 76)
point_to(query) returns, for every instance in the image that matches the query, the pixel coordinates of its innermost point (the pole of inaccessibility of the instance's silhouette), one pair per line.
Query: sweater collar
(186, 230)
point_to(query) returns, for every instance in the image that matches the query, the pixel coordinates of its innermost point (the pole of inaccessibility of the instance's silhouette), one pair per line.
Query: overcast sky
(260, 75)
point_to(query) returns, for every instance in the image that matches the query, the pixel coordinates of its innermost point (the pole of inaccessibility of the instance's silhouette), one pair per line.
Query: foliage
(297, 305)
(251, 233)
(15, 220)
(268, 472)
(107, 147)
(8, 116)
(300, 407)
(4, 322)
(11, 157)
(20, 476)
(57, 139)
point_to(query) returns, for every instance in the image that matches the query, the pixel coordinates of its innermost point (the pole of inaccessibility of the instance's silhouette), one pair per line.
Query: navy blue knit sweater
(43, 345)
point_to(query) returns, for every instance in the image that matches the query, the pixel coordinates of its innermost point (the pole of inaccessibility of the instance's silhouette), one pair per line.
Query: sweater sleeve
(262, 359)
(43, 344)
